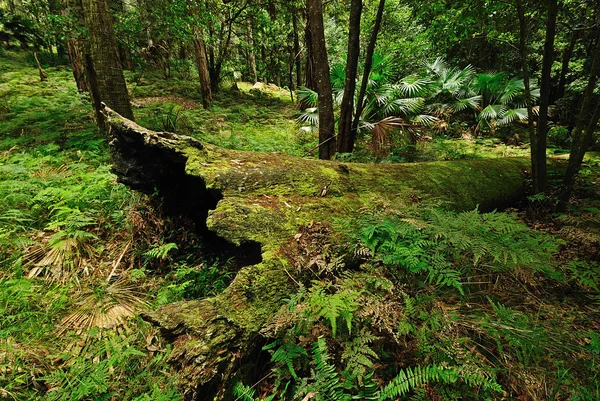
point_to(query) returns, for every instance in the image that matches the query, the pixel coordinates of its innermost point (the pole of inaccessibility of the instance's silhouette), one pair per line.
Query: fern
(160, 252)
(286, 354)
(331, 307)
(410, 378)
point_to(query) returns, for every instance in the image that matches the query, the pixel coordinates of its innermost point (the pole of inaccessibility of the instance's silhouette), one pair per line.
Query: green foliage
(161, 251)
(447, 247)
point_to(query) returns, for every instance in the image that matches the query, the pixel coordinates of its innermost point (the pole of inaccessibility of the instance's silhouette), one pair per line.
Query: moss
(267, 197)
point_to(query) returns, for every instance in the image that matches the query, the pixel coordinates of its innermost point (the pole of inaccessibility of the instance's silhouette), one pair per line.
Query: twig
(118, 261)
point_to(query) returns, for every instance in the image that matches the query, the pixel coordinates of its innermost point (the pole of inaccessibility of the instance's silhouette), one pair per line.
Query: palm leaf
(414, 86)
(307, 97)
(471, 103)
(512, 88)
(425, 119)
(337, 75)
(493, 111)
(513, 115)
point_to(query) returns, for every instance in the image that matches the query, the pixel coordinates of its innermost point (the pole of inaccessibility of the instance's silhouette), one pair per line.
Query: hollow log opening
(160, 171)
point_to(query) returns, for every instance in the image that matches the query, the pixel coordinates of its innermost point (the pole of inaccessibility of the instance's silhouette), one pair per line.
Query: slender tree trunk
(587, 120)
(344, 140)
(203, 74)
(566, 58)
(311, 82)
(539, 148)
(251, 55)
(297, 50)
(524, 33)
(43, 76)
(101, 61)
(360, 104)
(326, 121)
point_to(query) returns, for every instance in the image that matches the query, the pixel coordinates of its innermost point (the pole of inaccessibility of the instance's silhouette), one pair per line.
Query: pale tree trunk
(203, 74)
(102, 64)
(344, 140)
(360, 104)
(327, 144)
(251, 55)
(538, 147)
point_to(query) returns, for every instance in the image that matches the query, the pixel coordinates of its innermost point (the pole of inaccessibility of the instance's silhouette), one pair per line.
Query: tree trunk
(265, 201)
(587, 120)
(101, 61)
(327, 144)
(311, 82)
(77, 65)
(205, 82)
(344, 139)
(566, 58)
(297, 50)
(251, 55)
(360, 104)
(524, 33)
(538, 149)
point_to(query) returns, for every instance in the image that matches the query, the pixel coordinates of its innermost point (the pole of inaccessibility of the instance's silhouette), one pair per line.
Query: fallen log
(262, 200)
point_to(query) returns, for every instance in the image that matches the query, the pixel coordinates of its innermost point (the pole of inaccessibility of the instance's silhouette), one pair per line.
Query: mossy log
(265, 199)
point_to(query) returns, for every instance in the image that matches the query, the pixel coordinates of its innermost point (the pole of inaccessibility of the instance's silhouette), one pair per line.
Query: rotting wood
(266, 198)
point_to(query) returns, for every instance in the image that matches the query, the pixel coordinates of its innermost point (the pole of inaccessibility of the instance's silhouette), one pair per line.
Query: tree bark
(566, 58)
(251, 55)
(360, 104)
(583, 132)
(77, 65)
(327, 143)
(266, 200)
(345, 143)
(311, 82)
(297, 50)
(524, 33)
(101, 61)
(538, 149)
(203, 74)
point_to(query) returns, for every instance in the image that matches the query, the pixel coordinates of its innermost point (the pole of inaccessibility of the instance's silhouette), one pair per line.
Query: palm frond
(470, 103)
(425, 120)
(307, 97)
(493, 111)
(106, 306)
(511, 89)
(337, 75)
(512, 115)
(414, 86)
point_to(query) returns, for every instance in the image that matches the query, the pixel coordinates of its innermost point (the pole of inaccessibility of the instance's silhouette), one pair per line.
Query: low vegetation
(466, 305)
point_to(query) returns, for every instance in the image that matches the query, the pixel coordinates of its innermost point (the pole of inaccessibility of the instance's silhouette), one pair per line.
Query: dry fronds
(105, 307)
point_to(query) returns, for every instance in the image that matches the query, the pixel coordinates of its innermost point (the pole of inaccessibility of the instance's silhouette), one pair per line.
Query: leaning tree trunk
(327, 145)
(77, 65)
(360, 104)
(102, 64)
(344, 140)
(265, 201)
(584, 130)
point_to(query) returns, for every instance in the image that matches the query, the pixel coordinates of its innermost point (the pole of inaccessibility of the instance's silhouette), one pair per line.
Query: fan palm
(429, 99)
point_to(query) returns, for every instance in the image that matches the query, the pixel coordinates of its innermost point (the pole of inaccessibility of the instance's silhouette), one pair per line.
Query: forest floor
(81, 256)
